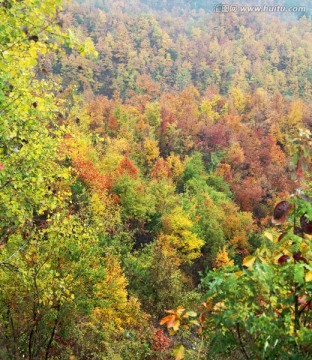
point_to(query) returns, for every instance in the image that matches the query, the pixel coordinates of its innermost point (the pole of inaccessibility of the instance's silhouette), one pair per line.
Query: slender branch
(53, 332)
(31, 334)
(297, 312)
(200, 347)
(5, 184)
(9, 104)
(35, 320)
(305, 197)
(241, 343)
(294, 218)
(306, 319)
(305, 306)
(13, 332)
(15, 253)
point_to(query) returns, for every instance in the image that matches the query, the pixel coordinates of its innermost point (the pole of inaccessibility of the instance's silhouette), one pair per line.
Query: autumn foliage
(153, 155)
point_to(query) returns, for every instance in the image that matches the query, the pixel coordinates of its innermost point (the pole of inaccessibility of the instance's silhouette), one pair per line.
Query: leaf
(179, 352)
(239, 273)
(168, 320)
(281, 236)
(269, 236)
(219, 306)
(176, 325)
(191, 313)
(194, 322)
(180, 310)
(283, 259)
(280, 212)
(249, 260)
(297, 255)
(171, 332)
(308, 276)
(299, 274)
(306, 225)
(298, 231)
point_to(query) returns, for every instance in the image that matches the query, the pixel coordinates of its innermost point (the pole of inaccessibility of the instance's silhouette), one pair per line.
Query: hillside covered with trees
(154, 155)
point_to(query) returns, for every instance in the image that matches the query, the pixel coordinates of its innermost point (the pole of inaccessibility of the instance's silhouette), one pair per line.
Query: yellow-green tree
(56, 271)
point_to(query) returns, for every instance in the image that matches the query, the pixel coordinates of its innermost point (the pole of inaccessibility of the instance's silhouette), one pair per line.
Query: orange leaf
(168, 320)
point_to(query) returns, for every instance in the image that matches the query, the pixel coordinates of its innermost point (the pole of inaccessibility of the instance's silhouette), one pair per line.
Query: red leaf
(297, 255)
(283, 259)
(281, 236)
(306, 225)
(126, 166)
(298, 231)
(1, 166)
(281, 211)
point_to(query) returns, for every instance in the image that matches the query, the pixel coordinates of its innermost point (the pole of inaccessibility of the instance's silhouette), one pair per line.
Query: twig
(53, 332)
(15, 253)
(5, 184)
(241, 343)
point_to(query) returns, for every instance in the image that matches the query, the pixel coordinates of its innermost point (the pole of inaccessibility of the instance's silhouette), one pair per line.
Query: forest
(155, 181)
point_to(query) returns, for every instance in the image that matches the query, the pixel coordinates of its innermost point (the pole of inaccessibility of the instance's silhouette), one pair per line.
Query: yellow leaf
(219, 306)
(249, 260)
(176, 325)
(238, 273)
(33, 52)
(179, 352)
(308, 276)
(195, 322)
(269, 236)
(180, 310)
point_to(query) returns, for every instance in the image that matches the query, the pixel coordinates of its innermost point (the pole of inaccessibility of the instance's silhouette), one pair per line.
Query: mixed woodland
(155, 181)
